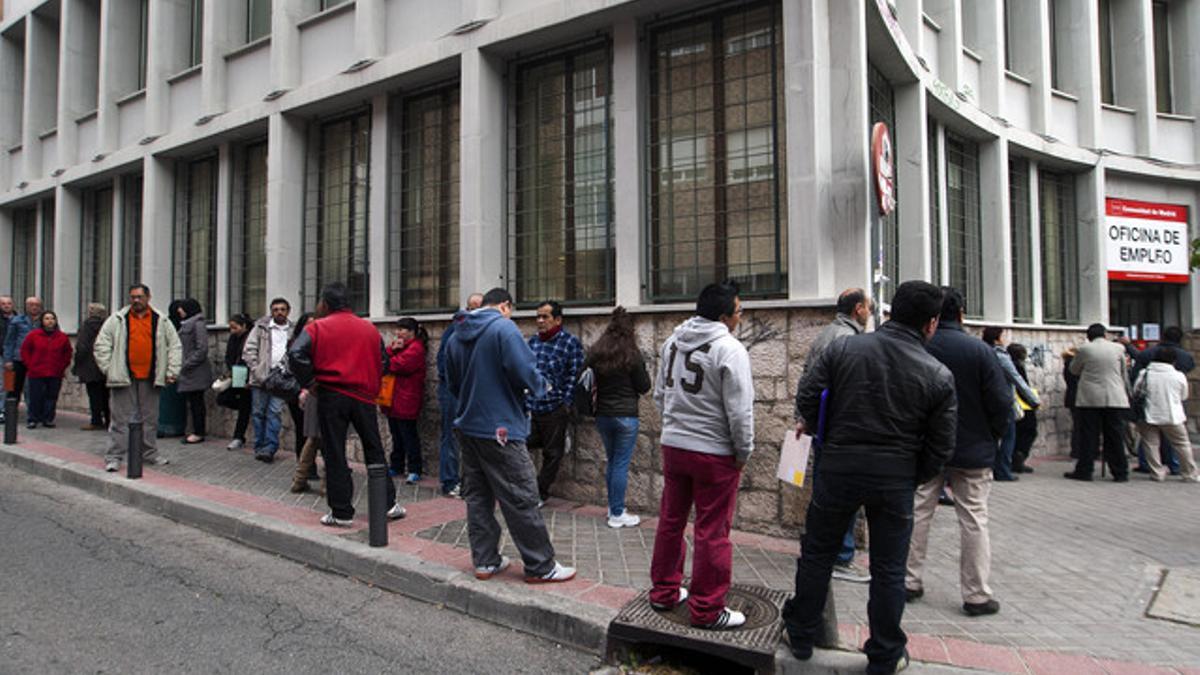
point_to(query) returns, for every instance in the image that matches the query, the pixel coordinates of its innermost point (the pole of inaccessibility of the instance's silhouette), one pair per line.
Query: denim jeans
(1002, 467)
(42, 401)
(406, 446)
(846, 555)
(448, 456)
(889, 505)
(266, 410)
(619, 435)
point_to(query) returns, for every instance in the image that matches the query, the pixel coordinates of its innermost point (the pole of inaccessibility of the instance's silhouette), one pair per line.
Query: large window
(335, 232)
(196, 52)
(716, 133)
(1022, 239)
(95, 276)
(883, 109)
(143, 18)
(935, 207)
(196, 232)
(247, 241)
(258, 19)
(962, 211)
(24, 255)
(1162, 57)
(561, 240)
(48, 253)
(1107, 77)
(131, 231)
(423, 219)
(1060, 248)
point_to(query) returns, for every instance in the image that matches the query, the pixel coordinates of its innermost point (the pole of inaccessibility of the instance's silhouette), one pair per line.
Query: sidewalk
(1075, 565)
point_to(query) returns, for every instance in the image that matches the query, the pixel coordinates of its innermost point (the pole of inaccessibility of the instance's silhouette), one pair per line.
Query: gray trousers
(136, 403)
(504, 473)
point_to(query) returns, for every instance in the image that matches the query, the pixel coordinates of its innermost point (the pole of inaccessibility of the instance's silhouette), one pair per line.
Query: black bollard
(133, 463)
(377, 507)
(10, 420)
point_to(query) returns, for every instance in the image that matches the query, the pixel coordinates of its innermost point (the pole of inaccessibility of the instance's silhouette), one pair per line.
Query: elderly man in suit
(1102, 401)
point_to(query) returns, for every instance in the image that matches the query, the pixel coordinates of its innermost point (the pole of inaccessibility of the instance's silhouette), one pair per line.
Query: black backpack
(583, 397)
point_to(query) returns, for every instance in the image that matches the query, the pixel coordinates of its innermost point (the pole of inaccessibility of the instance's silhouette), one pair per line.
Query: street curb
(544, 614)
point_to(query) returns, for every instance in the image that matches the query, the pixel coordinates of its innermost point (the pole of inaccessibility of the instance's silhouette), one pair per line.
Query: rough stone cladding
(778, 341)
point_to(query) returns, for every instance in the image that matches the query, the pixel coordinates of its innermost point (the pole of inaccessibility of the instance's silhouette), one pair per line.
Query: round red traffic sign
(883, 167)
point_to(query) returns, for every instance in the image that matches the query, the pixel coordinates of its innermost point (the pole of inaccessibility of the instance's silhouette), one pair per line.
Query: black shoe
(981, 608)
(1010, 479)
(1024, 469)
(1141, 469)
(911, 595)
(945, 499)
(31, 425)
(48, 425)
(1121, 479)
(1071, 475)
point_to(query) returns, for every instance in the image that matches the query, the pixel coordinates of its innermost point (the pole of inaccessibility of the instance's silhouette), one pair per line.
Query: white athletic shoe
(626, 519)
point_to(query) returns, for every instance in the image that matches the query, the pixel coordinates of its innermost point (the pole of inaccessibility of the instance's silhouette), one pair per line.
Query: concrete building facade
(605, 152)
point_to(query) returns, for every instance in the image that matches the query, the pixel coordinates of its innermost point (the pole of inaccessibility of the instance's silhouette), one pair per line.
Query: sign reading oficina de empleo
(1146, 241)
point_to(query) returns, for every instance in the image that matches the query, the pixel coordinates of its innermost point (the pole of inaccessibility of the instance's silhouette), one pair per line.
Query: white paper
(793, 459)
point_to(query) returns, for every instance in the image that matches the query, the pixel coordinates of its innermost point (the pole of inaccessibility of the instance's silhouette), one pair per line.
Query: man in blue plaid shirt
(559, 358)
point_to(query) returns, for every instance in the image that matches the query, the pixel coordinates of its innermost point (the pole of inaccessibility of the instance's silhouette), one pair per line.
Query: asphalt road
(87, 585)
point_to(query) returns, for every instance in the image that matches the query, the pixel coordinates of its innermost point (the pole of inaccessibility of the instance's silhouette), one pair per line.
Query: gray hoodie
(705, 391)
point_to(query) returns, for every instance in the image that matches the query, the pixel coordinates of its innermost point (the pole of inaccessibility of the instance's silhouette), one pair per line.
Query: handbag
(387, 391)
(583, 396)
(280, 382)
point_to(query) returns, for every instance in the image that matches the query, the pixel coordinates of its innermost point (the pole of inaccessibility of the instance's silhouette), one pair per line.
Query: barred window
(962, 210)
(561, 240)
(423, 217)
(335, 236)
(131, 231)
(95, 275)
(1060, 248)
(717, 198)
(48, 253)
(195, 231)
(24, 255)
(935, 208)
(248, 230)
(1022, 239)
(883, 109)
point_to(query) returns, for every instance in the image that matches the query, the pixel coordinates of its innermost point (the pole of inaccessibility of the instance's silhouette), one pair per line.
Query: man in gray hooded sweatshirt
(706, 395)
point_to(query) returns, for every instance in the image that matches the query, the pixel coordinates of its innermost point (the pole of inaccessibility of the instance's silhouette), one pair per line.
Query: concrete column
(1079, 35)
(39, 250)
(120, 33)
(948, 15)
(41, 88)
(990, 32)
(911, 152)
(158, 227)
(1185, 47)
(168, 25)
(996, 240)
(224, 202)
(285, 44)
(370, 30)
(942, 270)
(1030, 57)
(118, 243)
(806, 71)
(6, 239)
(219, 39)
(849, 187)
(377, 212)
(482, 248)
(913, 25)
(628, 201)
(79, 50)
(68, 226)
(12, 107)
(1133, 63)
(285, 207)
(1093, 268)
(1035, 239)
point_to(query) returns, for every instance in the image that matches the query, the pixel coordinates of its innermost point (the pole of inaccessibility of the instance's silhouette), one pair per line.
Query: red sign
(1146, 241)
(883, 167)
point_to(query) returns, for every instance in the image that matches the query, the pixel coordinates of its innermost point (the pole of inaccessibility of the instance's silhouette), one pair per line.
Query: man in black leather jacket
(888, 426)
(985, 405)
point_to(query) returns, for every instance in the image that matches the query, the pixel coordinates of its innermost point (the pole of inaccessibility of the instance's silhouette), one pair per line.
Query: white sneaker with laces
(396, 512)
(331, 521)
(727, 619)
(626, 519)
(488, 571)
(559, 574)
(683, 596)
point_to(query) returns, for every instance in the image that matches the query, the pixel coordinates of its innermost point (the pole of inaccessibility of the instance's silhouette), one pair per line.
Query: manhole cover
(752, 645)
(1178, 597)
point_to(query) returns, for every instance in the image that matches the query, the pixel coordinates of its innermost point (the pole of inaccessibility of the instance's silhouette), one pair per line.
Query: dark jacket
(340, 352)
(985, 398)
(617, 391)
(443, 388)
(489, 368)
(196, 373)
(891, 408)
(1184, 362)
(19, 326)
(85, 362)
(1072, 381)
(233, 350)
(408, 365)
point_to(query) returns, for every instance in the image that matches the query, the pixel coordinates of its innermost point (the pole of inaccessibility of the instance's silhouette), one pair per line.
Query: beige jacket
(1103, 382)
(112, 350)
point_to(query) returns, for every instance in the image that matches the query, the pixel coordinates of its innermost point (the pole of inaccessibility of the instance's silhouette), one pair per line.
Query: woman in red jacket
(46, 354)
(406, 361)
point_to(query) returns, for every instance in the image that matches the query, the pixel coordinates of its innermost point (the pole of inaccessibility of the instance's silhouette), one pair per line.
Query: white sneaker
(488, 571)
(156, 460)
(112, 465)
(329, 520)
(235, 444)
(728, 618)
(683, 596)
(396, 512)
(626, 519)
(559, 574)
(851, 572)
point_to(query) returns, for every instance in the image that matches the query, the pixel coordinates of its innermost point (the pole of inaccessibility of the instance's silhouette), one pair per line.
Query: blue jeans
(1002, 467)
(889, 505)
(448, 457)
(1166, 454)
(265, 412)
(42, 400)
(406, 446)
(846, 555)
(619, 435)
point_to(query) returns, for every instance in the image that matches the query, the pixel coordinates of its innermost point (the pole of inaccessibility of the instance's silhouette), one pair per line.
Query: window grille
(131, 232)
(24, 252)
(258, 19)
(935, 208)
(423, 219)
(335, 237)
(1022, 235)
(95, 275)
(883, 109)
(248, 231)
(1060, 248)
(48, 253)
(560, 243)
(717, 196)
(962, 210)
(195, 232)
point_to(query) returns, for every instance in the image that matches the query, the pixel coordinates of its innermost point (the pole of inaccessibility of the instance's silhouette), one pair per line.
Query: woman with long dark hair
(620, 372)
(237, 398)
(1027, 430)
(406, 361)
(195, 377)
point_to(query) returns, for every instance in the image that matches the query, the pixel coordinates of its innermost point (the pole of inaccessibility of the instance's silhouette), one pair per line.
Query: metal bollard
(10, 420)
(377, 479)
(133, 463)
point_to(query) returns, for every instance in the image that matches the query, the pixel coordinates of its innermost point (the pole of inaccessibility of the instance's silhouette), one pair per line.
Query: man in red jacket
(344, 354)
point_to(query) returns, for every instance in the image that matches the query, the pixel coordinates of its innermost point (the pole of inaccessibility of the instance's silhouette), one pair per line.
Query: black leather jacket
(891, 408)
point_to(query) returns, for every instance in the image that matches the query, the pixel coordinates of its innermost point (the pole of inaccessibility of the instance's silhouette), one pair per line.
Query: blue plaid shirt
(558, 360)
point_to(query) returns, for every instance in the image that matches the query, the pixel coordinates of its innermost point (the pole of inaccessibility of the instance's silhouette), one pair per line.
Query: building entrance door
(1143, 308)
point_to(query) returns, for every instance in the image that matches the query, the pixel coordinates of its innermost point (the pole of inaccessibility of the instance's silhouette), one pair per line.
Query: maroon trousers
(710, 482)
